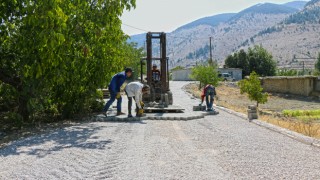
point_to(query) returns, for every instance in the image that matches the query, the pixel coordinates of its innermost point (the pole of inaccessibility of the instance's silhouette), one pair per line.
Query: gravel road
(216, 147)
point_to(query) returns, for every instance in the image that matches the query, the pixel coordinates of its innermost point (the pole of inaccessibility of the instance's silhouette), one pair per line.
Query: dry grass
(230, 97)
(311, 129)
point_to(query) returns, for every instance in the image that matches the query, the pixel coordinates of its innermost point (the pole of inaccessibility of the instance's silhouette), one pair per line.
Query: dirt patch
(228, 95)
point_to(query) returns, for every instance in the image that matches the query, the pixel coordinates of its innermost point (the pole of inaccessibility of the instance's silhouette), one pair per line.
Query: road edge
(291, 134)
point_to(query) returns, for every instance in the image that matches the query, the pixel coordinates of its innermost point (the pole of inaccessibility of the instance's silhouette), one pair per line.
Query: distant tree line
(317, 65)
(311, 15)
(256, 59)
(202, 52)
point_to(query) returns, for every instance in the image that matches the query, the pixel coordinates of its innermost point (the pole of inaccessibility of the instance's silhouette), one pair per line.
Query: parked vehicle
(226, 77)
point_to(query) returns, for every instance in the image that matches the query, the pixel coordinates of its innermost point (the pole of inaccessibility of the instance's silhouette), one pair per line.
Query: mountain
(139, 39)
(296, 37)
(227, 36)
(313, 3)
(296, 4)
(267, 8)
(211, 21)
(230, 32)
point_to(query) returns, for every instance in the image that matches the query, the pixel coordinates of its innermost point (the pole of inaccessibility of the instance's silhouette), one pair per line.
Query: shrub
(252, 87)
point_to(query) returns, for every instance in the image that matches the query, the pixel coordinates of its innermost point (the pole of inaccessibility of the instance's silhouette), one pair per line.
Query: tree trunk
(23, 108)
(16, 83)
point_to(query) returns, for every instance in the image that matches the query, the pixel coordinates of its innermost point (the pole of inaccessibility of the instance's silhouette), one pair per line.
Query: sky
(168, 15)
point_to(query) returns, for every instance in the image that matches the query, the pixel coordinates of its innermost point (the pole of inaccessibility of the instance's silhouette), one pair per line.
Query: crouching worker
(135, 90)
(114, 89)
(209, 92)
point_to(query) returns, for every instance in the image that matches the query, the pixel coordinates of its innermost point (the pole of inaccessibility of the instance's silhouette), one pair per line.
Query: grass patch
(304, 115)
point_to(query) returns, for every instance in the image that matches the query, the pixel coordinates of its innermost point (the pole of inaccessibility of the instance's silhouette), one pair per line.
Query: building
(181, 75)
(184, 74)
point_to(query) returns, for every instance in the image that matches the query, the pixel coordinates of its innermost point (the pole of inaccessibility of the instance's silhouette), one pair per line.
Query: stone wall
(304, 85)
(317, 85)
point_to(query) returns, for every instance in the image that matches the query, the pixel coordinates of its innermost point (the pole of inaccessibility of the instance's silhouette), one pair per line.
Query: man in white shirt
(134, 90)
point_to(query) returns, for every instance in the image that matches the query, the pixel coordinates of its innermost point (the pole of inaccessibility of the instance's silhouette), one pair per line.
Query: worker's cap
(128, 70)
(146, 88)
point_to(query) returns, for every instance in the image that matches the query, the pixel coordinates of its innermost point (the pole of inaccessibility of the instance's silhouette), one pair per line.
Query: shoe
(130, 116)
(105, 113)
(209, 110)
(120, 113)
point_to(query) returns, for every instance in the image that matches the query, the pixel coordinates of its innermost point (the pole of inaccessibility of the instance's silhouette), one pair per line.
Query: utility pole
(211, 50)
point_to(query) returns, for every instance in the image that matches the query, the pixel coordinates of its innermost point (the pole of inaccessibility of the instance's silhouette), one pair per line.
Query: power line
(134, 27)
(173, 36)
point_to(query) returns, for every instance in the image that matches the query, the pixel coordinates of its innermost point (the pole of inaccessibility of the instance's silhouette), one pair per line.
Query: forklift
(160, 97)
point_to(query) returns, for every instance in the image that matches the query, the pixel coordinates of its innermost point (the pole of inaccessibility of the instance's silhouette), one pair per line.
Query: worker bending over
(114, 89)
(209, 92)
(134, 90)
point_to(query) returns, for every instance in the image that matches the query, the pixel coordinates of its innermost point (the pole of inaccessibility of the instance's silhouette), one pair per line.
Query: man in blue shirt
(114, 89)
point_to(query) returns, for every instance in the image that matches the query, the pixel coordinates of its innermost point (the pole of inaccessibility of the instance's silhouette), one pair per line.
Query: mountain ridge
(189, 43)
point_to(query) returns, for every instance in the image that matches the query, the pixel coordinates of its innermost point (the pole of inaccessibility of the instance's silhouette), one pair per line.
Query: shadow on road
(72, 137)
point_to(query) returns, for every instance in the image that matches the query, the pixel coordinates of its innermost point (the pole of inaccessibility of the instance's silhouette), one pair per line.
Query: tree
(253, 88)
(317, 65)
(261, 61)
(239, 60)
(132, 58)
(231, 61)
(256, 59)
(55, 54)
(206, 74)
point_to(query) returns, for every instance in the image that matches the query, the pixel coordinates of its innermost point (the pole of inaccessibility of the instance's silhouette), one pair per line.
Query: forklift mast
(164, 78)
(161, 87)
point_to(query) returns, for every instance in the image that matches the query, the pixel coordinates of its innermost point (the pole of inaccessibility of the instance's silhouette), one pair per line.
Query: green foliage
(239, 60)
(257, 59)
(8, 98)
(132, 57)
(206, 74)
(54, 54)
(305, 115)
(317, 65)
(253, 88)
(296, 113)
(288, 72)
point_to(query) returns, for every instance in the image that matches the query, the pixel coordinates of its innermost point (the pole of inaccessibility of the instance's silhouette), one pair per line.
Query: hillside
(296, 4)
(267, 8)
(295, 37)
(190, 43)
(211, 21)
(227, 37)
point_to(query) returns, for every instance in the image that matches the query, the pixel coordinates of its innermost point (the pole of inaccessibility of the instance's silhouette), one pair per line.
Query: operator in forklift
(135, 90)
(156, 74)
